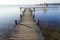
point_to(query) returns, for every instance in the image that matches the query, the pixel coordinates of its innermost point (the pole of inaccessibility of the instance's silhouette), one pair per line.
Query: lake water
(49, 15)
(8, 14)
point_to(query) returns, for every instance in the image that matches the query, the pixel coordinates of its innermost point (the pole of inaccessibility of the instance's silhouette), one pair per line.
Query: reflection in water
(49, 23)
(44, 9)
(52, 14)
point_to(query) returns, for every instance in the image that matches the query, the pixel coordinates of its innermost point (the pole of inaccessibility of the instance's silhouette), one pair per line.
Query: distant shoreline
(34, 4)
(49, 4)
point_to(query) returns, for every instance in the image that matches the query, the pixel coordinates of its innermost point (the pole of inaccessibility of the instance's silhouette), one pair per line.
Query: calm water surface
(8, 14)
(48, 15)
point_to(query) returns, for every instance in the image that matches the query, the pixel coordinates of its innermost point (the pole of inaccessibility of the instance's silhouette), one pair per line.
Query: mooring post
(15, 22)
(20, 9)
(33, 15)
(30, 11)
(38, 22)
(34, 10)
(23, 13)
(20, 15)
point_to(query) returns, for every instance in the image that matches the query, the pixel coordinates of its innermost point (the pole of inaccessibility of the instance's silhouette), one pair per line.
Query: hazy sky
(18, 2)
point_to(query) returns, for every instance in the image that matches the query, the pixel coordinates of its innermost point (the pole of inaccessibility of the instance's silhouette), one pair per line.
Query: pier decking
(27, 29)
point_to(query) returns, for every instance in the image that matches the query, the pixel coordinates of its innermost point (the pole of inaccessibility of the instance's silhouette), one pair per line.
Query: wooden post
(33, 15)
(34, 9)
(20, 16)
(15, 22)
(23, 13)
(38, 22)
(20, 9)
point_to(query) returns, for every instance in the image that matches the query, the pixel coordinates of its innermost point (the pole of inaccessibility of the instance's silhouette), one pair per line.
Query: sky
(26, 2)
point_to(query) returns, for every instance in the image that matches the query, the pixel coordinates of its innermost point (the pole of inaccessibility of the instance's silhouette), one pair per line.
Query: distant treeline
(49, 4)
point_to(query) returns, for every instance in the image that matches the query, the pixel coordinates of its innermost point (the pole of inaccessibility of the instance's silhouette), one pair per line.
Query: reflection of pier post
(44, 8)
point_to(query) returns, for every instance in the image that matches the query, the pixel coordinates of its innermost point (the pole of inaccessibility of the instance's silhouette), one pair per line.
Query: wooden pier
(27, 29)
